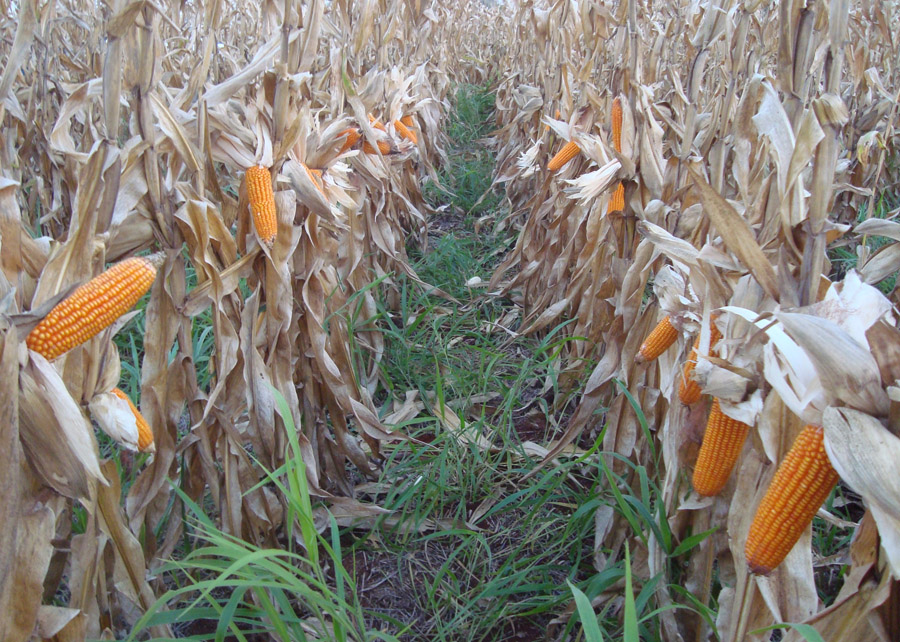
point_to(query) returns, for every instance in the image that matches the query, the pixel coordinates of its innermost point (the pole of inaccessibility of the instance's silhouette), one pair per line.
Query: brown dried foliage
(130, 131)
(748, 146)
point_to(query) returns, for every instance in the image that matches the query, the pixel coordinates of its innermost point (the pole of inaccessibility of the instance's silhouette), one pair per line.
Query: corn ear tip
(156, 259)
(757, 569)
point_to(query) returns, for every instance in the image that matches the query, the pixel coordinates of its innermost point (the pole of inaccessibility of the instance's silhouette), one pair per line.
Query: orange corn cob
(658, 341)
(408, 120)
(352, 134)
(800, 485)
(262, 203)
(376, 123)
(145, 434)
(689, 390)
(315, 175)
(617, 124)
(383, 146)
(406, 132)
(563, 156)
(723, 442)
(94, 306)
(617, 202)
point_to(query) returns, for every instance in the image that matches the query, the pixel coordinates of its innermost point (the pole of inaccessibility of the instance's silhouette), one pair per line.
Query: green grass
(472, 550)
(465, 182)
(472, 115)
(225, 586)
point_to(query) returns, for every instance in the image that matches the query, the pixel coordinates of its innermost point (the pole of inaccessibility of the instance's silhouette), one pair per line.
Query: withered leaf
(848, 370)
(58, 439)
(865, 455)
(738, 236)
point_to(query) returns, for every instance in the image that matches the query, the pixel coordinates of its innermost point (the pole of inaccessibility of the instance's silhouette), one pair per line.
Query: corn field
(261, 170)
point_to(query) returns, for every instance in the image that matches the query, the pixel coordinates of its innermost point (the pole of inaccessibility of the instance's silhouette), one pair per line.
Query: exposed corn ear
(658, 341)
(563, 156)
(353, 135)
(315, 175)
(802, 482)
(617, 124)
(406, 132)
(723, 442)
(384, 147)
(689, 390)
(617, 202)
(145, 434)
(93, 306)
(262, 203)
(376, 123)
(408, 120)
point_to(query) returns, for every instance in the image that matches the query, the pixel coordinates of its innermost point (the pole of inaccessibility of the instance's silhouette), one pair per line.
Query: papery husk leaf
(675, 248)
(58, 439)
(26, 23)
(848, 371)
(12, 485)
(772, 121)
(29, 511)
(114, 416)
(161, 389)
(854, 305)
(881, 264)
(865, 455)
(72, 263)
(866, 586)
(879, 227)
(176, 134)
(263, 57)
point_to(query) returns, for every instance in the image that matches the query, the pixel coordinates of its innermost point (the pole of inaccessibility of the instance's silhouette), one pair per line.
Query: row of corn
(97, 304)
(804, 478)
(711, 126)
(244, 116)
